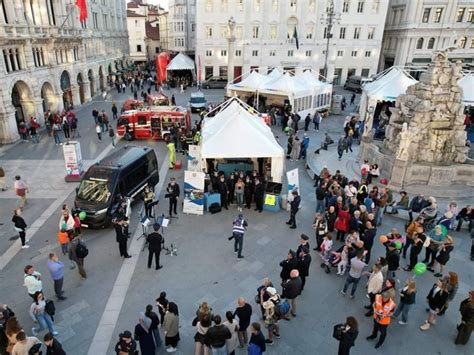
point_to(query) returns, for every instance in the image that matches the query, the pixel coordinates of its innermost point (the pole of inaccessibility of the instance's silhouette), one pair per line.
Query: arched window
(431, 43)
(291, 25)
(419, 43)
(462, 42)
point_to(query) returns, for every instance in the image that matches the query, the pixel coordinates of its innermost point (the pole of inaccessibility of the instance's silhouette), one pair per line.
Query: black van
(122, 173)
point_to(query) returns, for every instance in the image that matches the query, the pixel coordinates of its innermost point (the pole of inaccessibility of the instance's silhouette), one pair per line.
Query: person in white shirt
(32, 281)
(374, 285)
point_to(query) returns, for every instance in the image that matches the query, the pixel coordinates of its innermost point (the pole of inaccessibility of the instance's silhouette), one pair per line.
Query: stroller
(330, 259)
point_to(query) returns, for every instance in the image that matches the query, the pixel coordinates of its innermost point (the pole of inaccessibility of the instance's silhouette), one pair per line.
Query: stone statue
(405, 140)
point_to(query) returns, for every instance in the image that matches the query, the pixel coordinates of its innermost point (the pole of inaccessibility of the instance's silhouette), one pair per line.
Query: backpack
(50, 308)
(81, 250)
(337, 331)
(215, 208)
(282, 307)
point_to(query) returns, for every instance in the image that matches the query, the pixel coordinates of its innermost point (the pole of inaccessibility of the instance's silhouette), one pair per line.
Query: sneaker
(34, 332)
(351, 297)
(27, 241)
(171, 350)
(377, 345)
(269, 342)
(25, 247)
(342, 292)
(438, 274)
(55, 333)
(425, 326)
(402, 322)
(278, 336)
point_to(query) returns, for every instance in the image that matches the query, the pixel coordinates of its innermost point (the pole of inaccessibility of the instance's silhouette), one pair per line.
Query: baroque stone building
(50, 60)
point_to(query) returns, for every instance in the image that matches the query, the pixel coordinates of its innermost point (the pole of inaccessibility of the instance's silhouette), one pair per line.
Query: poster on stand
(194, 158)
(193, 192)
(73, 160)
(293, 179)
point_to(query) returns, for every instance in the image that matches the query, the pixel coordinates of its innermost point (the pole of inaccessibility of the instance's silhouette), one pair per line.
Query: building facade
(51, 61)
(182, 25)
(416, 28)
(265, 32)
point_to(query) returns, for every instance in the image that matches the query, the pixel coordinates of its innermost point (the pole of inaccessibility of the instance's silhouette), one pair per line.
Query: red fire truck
(153, 122)
(158, 100)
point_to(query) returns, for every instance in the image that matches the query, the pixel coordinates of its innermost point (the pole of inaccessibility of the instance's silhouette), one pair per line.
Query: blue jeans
(378, 215)
(403, 308)
(44, 321)
(57, 140)
(238, 243)
(353, 281)
(240, 200)
(320, 206)
(219, 351)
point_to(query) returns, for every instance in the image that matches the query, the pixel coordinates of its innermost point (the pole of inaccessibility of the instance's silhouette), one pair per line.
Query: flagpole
(71, 9)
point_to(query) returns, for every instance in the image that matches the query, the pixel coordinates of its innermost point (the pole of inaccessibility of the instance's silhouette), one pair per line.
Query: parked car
(354, 83)
(215, 83)
(125, 172)
(197, 102)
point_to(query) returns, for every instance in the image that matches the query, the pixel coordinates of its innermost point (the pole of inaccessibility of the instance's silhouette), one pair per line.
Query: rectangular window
(365, 73)
(208, 53)
(370, 33)
(345, 6)
(224, 32)
(272, 53)
(326, 33)
(470, 15)
(223, 53)
(290, 53)
(472, 43)
(255, 32)
(460, 14)
(354, 54)
(240, 5)
(238, 53)
(255, 53)
(208, 5)
(223, 72)
(368, 53)
(256, 5)
(375, 6)
(360, 7)
(208, 72)
(139, 47)
(273, 31)
(309, 32)
(340, 53)
(208, 32)
(312, 5)
(438, 14)
(356, 32)
(426, 15)
(342, 33)
(224, 5)
(238, 32)
(308, 53)
(274, 5)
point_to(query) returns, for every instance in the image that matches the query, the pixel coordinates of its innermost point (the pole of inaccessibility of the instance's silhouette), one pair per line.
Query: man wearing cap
(173, 194)
(155, 241)
(287, 265)
(304, 242)
(292, 289)
(304, 261)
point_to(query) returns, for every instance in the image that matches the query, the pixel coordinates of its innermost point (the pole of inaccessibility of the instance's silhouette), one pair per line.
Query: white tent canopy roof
(252, 82)
(389, 86)
(310, 78)
(275, 73)
(467, 85)
(181, 62)
(236, 133)
(286, 85)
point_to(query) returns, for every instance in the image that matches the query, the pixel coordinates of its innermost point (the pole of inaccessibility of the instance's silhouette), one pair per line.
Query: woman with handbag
(348, 335)
(437, 298)
(20, 227)
(38, 313)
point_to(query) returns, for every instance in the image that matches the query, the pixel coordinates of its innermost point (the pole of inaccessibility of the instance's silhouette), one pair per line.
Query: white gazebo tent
(387, 87)
(182, 62)
(467, 85)
(252, 83)
(322, 91)
(234, 132)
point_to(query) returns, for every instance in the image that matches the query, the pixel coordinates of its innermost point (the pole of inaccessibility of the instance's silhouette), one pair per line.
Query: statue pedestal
(398, 174)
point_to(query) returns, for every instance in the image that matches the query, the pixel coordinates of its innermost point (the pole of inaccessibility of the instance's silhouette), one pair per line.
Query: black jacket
(348, 339)
(368, 239)
(128, 348)
(217, 335)
(286, 267)
(320, 193)
(393, 259)
(119, 234)
(258, 340)
(19, 222)
(295, 204)
(173, 191)
(155, 320)
(259, 190)
(438, 300)
(303, 265)
(55, 348)
(244, 313)
(155, 241)
(291, 288)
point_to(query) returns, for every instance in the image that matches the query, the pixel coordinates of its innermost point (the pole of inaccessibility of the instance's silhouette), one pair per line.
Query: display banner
(73, 160)
(194, 158)
(193, 192)
(293, 179)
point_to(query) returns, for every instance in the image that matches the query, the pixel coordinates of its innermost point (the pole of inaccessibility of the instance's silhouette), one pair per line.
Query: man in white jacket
(32, 281)
(374, 286)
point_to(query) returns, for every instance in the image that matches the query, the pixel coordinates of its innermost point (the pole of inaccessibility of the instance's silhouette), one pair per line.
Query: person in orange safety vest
(384, 308)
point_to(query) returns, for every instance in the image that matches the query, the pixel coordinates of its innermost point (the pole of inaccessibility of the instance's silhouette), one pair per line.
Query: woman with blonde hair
(452, 284)
(407, 299)
(443, 257)
(436, 300)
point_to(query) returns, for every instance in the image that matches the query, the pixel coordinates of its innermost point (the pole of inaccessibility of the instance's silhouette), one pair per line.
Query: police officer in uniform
(173, 194)
(155, 242)
(121, 236)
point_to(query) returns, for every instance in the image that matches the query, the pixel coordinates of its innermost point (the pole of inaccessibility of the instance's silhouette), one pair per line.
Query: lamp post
(230, 51)
(329, 18)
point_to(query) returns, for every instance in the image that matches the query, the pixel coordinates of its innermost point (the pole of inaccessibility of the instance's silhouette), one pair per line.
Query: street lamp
(230, 53)
(330, 18)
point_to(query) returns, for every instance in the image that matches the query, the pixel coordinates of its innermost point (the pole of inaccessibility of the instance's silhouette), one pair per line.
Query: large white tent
(181, 62)
(253, 82)
(467, 85)
(322, 91)
(234, 132)
(387, 87)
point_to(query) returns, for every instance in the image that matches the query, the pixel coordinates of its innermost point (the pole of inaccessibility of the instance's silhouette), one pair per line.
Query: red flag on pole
(82, 5)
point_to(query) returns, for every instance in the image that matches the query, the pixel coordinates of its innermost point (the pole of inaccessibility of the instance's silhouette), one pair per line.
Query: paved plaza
(108, 301)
